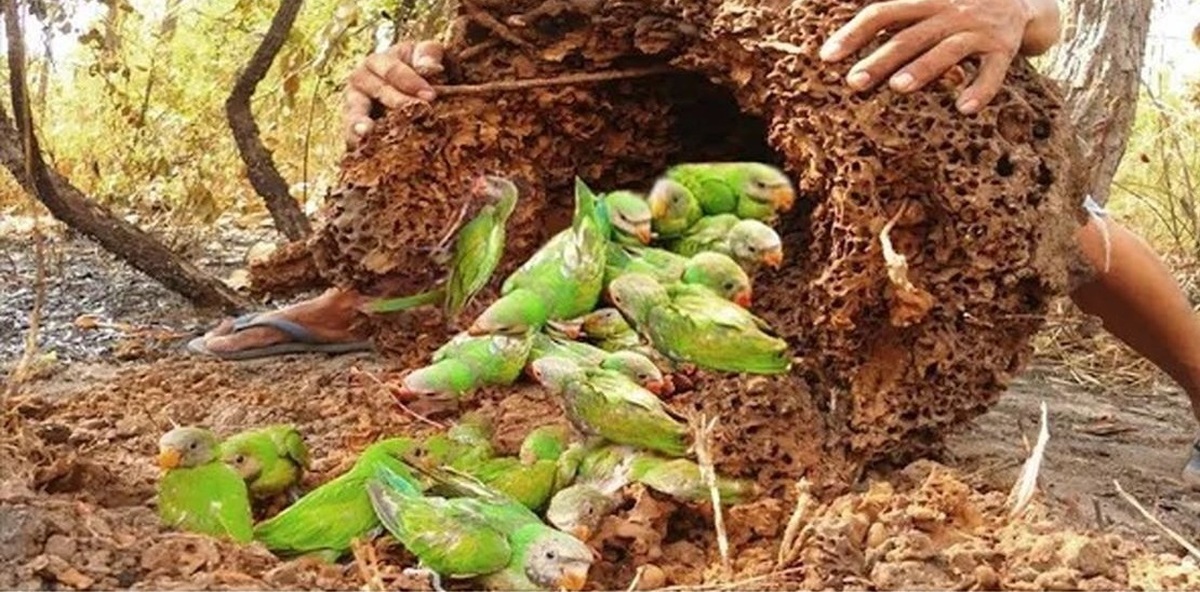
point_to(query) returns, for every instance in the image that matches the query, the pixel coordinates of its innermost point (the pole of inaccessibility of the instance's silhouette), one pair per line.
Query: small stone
(61, 546)
(653, 577)
(876, 535)
(1062, 578)
(1087, 556)
(986, 578)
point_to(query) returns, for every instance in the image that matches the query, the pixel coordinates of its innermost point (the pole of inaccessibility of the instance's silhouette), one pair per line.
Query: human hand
(936, 35)
(393, 77)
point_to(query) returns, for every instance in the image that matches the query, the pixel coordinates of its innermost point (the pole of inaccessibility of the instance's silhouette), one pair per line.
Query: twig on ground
(528, 83)
(738, 585)
(1155, 521)
(798, 520)
(637, 579)
(1023, 489)
(702, 430)
(367, 563)
(356, 371)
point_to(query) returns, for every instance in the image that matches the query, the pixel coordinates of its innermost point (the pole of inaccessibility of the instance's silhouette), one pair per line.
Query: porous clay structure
(888, 356)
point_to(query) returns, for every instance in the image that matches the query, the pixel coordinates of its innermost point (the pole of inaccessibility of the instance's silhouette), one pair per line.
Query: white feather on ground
(1026, 485)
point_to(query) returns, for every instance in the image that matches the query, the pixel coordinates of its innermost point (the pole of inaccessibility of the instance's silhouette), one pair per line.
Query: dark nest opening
(888, 358)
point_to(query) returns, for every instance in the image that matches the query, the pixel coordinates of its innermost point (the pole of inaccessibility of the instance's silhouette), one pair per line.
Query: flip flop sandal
(302, 341)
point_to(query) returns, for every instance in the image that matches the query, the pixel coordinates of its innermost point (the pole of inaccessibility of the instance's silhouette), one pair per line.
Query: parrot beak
(657, 387)
(574, 579)
(581, 532)
(743, 298)
(476, 331)
(571, 331)
(480, 186)
(169, 459)
(658, 207)
(668, 385)
(774, 259)
(644, 234)
(783, 198)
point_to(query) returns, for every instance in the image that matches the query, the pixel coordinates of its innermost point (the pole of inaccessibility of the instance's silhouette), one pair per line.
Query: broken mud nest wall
(979, 208)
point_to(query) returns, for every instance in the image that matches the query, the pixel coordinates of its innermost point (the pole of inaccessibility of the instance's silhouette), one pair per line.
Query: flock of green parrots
(675, 265)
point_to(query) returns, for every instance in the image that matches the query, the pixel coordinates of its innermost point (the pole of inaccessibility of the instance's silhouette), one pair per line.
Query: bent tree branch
(261, 169)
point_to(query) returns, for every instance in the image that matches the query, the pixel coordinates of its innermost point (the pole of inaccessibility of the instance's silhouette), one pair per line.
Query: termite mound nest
(889, 357)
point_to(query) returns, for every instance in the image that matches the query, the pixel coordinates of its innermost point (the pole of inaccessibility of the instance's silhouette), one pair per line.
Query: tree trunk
(264, 175)
(1099, 64)
(21, 155)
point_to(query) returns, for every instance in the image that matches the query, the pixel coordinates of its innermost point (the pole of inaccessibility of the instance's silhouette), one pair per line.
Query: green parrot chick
(753, 243)
(629, 215)
(721, 274)
(767, 185)
(516, 313)
(673, 208)
(197, 492)
(271, 460)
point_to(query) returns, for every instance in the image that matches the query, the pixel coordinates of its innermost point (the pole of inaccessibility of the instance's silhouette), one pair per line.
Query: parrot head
(514, 314)
(755, 243)
(768, 185)
(242, 460)
(544, 443)
(630, 214)
(635, 294)
(186, 447)
(497, 190)
(604, 323)
(579, 509)
(669, 200)
(556, 560)
(473, 429)
(554, 372)
(637, 368)
(721, 274)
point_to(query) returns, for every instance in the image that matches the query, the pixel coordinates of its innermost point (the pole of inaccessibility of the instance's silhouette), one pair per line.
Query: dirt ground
(77, 474)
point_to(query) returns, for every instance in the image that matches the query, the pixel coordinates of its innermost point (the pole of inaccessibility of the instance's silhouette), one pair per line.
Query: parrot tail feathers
(585, 204)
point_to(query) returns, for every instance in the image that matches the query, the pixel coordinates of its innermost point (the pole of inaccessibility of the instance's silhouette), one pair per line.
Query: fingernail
(859, 79)
(426, 94)
(902, 82)
(831, 50)
(968, 107)
(361, 128)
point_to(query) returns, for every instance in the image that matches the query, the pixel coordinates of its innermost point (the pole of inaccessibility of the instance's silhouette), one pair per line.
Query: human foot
(323, 324)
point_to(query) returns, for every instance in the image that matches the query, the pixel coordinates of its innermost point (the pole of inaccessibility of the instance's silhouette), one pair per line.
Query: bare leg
(329, 316)
(1140, 303)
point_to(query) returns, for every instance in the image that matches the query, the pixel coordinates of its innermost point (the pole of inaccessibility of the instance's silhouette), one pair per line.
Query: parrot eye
(551, 555)
(239, 459)
(192, 446)
(728, 285)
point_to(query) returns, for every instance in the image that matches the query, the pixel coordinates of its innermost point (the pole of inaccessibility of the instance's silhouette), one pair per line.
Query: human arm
(939, 34)
(393, 77)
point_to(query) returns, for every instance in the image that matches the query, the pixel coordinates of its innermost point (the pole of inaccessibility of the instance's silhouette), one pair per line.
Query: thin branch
(528, 83)
(703, 430)
(1175, 536)
(360, 372)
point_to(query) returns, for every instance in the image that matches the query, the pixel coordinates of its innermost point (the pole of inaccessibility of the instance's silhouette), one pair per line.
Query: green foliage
(1157, 187)
(135, 114)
